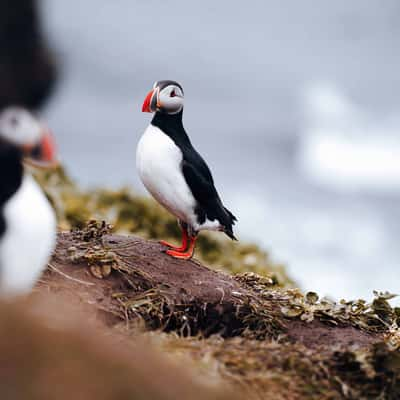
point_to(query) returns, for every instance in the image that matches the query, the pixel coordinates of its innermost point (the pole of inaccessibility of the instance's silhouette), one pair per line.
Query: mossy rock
(131, 213)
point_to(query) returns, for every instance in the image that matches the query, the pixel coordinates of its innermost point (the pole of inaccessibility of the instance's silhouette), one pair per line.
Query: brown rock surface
(77, 336)
(190, 298)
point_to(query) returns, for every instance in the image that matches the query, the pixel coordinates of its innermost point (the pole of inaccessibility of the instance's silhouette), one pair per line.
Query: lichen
(377, 316)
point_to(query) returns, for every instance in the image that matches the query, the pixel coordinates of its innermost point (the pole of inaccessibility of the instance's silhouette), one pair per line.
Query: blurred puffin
(27, 221)
(175, 173)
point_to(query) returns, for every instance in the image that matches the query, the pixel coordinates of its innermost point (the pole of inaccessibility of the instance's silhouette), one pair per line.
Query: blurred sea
(293, 104)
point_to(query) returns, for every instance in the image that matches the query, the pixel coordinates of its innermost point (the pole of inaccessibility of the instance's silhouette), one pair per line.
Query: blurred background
(295, 106)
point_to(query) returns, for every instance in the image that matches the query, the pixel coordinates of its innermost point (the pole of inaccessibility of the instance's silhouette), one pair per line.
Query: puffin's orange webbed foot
(178, 254)
(183, 246)
(184, 255)
(173, 247)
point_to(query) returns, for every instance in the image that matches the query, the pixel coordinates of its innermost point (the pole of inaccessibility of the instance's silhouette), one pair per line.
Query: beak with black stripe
(165, 97)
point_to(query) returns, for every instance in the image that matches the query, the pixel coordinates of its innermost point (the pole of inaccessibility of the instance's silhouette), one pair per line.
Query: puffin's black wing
(200, 181)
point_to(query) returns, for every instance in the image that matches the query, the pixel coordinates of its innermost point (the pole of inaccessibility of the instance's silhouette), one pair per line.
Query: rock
(237, 331)
(141, 281)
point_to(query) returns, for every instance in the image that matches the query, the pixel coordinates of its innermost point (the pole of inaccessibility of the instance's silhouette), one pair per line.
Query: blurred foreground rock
(49, 351)
(126, 278)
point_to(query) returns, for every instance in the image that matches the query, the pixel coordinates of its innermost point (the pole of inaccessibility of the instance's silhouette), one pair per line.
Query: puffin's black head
(166, 97)
(19, 128)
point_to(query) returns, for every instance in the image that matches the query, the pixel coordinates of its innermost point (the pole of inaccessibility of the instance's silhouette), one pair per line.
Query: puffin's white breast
(158, 161)
(29, 238)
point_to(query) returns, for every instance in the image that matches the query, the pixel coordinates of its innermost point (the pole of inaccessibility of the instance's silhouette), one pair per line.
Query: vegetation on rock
(243, 332)
(249, 331)
(131, 213)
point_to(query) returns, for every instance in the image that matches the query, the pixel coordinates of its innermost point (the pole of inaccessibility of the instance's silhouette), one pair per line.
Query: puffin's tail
(228, 227)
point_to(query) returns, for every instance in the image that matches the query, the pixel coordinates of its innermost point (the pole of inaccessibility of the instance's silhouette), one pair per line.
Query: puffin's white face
(166, 97)
(20, 128)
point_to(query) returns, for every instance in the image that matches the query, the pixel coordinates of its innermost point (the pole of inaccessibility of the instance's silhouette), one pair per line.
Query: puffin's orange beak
(48, 147)
(44, 154)
(146, 107)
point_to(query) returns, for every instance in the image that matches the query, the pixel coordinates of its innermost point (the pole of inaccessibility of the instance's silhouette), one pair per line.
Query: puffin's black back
(196, 172)
(11, 176)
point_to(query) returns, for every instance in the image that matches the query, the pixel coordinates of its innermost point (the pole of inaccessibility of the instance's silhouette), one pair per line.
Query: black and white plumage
(175, 173)
(27, 221)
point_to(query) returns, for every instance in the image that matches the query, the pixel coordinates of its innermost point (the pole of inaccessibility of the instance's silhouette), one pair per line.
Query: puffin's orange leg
(184, 255)
(184, 245)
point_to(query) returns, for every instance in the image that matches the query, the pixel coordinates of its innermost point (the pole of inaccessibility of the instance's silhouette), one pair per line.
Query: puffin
(27, 220)
(175, 174)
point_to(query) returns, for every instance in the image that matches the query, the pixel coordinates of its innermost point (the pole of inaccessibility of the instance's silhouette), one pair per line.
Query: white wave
(343, 146)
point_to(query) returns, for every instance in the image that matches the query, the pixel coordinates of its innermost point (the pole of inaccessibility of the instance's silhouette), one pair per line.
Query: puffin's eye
(172, 94)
